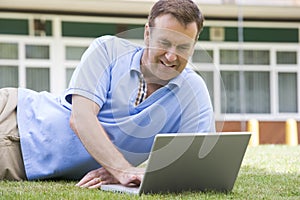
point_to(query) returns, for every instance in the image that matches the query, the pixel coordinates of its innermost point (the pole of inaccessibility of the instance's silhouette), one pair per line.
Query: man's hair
(185, 11)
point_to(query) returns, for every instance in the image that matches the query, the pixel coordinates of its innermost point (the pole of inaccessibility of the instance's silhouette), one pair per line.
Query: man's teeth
(168, 65)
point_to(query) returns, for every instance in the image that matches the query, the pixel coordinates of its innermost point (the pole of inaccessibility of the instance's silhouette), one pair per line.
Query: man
(120, 96)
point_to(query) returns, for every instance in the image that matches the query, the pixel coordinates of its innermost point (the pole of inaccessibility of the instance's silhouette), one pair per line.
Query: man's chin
(165, 78)
(163, 75)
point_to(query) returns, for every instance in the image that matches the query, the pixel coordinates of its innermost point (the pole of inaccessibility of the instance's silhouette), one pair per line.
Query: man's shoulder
(115, 46)
(110, 40)
(191, 77)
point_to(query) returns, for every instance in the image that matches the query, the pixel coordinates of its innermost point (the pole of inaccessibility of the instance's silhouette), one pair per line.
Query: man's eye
(183, 48)
(164, 43)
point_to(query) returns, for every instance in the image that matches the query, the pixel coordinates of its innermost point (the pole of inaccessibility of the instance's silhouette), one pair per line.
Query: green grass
(267, 172)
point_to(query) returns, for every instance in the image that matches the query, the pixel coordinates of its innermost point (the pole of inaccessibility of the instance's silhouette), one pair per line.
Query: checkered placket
(142, 93)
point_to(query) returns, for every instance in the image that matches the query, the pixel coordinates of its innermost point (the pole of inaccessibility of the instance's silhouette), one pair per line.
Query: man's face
(169, 46)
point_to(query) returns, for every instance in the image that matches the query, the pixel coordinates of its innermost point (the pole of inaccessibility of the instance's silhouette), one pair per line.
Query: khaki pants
(11, 161)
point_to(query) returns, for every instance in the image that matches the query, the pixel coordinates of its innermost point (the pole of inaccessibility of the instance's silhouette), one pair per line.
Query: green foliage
(267, 172)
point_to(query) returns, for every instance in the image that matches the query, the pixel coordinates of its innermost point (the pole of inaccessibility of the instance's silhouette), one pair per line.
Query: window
(9, 76)
(9, 51)
(87, 29)
(208, 77)
(37, 51)
(287, 92)
(74, 53)
(69, 72)
(286, 57)
(229, 57)
(256, 93)
(202, 56)
(250, 57)
(38, 79)
(14, 26)
(256, 57)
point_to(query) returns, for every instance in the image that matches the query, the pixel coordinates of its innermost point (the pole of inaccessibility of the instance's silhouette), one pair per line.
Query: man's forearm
(85, 124)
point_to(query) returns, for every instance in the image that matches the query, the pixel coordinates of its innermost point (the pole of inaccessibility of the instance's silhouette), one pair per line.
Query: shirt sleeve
(91, 77)
(197, 110)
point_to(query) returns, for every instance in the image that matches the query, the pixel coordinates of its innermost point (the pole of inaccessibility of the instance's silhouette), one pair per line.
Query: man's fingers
(95, 178)
(90, 177)
(95, 186)
(83, 181)
(94, 183)
(135, 180)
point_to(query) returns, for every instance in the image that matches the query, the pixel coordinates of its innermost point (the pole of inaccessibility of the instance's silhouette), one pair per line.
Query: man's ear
(147, 34)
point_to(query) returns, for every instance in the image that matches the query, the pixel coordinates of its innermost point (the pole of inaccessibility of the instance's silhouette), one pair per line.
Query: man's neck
(153, 82)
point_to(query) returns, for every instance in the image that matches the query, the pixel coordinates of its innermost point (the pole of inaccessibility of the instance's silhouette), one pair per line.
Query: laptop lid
(192, 162)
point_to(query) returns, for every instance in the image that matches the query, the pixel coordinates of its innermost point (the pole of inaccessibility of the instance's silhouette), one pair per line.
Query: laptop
(191, 162)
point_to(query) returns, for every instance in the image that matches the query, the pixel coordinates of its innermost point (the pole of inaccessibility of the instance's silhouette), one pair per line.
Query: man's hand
(98, 177)
(95, 178)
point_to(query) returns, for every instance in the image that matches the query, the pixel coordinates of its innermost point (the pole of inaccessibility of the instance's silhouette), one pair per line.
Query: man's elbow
(72, 124)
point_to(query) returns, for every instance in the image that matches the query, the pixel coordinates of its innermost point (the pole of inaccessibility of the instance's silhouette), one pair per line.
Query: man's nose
(171, 56)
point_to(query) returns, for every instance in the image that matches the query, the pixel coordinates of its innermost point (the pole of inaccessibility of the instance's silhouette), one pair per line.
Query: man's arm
(85, 124)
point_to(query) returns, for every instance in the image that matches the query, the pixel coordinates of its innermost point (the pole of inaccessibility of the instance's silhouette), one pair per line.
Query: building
(248, 52)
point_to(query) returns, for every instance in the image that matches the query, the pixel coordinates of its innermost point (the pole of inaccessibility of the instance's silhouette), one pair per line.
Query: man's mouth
(167, 65)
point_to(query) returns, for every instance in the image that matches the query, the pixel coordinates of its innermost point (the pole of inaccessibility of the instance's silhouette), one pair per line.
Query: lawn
(267, 172)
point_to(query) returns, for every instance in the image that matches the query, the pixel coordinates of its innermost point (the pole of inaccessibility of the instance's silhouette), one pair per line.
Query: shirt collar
(136, 61)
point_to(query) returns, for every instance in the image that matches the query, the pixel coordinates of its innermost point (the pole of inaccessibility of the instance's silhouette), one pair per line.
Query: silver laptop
(191, 162)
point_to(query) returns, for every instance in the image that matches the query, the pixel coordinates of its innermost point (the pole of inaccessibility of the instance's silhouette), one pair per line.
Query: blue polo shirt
(108, 74)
